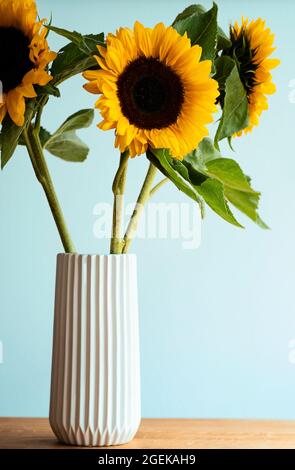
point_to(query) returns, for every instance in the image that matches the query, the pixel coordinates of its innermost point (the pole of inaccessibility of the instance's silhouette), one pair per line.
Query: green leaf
(70, 63)
(195, 174)
(64, 143)
(162, 159)
(223, 68)
(207, 160)
(73, 36)
(86, 43)
(71, 60)
(247, 203)
(201, 28)
(79, 120)
(69, 147)
(228, 172)
(48, 89)
(10, 134)
(229, 141)
(196, 161)
(186, 178)
(213, 193)
(189, 173)
(91, 42)
(189, 11)
(217, 180)
(223, 41)
(205, 152)
(235, 115)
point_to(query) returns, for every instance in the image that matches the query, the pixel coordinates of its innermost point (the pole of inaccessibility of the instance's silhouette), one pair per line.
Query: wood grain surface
(35, 433)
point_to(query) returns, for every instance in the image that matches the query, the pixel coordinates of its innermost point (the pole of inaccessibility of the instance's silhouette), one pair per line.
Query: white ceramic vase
(95, 382)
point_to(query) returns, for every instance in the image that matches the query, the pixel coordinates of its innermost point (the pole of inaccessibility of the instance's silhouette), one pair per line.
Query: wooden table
(35, 433)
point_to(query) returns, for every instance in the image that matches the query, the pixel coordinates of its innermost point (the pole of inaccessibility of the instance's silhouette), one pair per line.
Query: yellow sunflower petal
(27, 91)
(107, 125)
(16, 106)
(143, 41)
(20, 14)
(102, 50)
(91, 87)
(42, 77)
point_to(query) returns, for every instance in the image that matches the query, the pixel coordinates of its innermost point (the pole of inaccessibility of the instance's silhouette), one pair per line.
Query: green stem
(40, 105)
(118, 191)
(143, 197)
(158, 186)
(31, 136)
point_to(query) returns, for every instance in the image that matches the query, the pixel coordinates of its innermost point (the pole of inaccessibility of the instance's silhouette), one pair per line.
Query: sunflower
(155, 90)
(252, 44)
(24, 56)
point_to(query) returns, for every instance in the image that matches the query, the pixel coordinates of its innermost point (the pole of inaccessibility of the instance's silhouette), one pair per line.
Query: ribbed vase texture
(95, 382)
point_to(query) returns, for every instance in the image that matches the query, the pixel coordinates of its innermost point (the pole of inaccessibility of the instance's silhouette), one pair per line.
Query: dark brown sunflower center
(14, 57)
(151, 94)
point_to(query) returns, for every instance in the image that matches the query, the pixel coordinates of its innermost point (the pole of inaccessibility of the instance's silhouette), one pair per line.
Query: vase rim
(93, 255)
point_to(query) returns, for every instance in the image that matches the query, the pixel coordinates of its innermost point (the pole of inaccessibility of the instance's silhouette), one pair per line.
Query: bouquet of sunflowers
(159, 88)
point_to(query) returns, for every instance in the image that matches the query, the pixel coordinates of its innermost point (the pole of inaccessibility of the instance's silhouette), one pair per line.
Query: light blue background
(216, 322)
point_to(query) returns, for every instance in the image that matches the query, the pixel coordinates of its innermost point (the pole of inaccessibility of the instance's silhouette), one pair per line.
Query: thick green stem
(118, 191)
(143, 197)
(31, 136)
